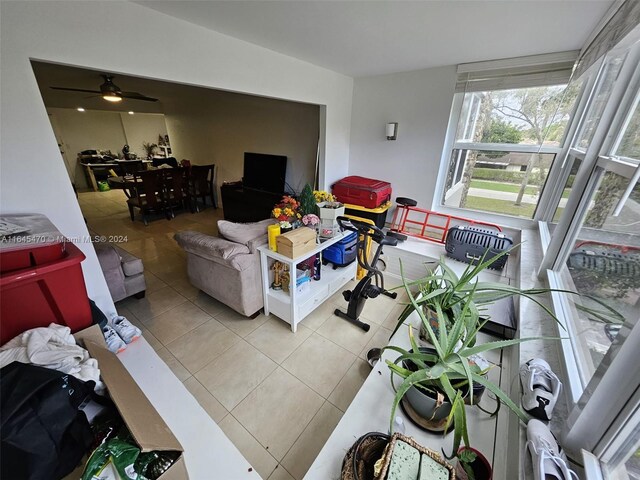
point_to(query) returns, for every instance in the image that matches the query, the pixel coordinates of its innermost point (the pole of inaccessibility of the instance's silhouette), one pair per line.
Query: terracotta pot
(480, 466)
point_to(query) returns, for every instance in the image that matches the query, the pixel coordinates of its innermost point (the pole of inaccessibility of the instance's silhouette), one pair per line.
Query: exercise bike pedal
(373, 291)
(346, 295)
(389, 294)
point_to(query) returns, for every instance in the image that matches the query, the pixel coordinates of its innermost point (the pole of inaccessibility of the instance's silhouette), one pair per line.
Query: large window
(509, 127)
(594, 249)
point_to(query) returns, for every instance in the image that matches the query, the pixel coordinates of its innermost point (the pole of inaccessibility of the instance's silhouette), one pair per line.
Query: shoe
(547, 458)
(125, 329)
(114, 342)
(540, 388)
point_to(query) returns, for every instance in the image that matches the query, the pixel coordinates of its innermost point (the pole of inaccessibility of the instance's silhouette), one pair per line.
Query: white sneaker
(125, 329)
(540, 388)
(114, 342)
(548, 461)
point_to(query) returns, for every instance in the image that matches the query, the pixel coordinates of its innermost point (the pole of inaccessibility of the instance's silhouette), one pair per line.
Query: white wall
(420, 102)
(116, 37)
(103, 130)
(210, 126)
(140, 128)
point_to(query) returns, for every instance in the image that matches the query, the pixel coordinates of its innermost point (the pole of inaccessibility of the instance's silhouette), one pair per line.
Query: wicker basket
(358, 463)
(423, 450)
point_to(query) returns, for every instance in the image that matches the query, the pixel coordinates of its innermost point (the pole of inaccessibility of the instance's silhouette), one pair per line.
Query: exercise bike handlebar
(363, 228)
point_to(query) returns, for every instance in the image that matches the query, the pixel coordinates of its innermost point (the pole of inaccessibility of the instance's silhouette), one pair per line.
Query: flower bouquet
(323, 196)
(287, 210)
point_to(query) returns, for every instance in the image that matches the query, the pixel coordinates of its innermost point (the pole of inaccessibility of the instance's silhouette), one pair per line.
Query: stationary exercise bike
(372, 284)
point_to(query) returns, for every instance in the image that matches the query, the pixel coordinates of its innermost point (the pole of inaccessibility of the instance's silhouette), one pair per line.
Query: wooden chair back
(149, 188)
(129, 167)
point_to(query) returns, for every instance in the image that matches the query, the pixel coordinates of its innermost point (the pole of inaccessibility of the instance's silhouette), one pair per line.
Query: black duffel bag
(44, 432)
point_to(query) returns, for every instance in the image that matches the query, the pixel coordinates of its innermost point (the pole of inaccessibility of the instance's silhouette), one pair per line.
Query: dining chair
(129, 167)
(175, 188)
(202, 181)
(148, 194)
(171, 161)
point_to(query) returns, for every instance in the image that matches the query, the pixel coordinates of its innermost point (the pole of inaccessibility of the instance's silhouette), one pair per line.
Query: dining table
(126, 183)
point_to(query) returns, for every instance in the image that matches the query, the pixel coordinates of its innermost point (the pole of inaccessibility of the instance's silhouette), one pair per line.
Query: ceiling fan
(110, 91)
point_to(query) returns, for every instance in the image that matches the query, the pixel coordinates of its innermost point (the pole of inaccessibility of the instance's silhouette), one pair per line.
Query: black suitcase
(469, 244)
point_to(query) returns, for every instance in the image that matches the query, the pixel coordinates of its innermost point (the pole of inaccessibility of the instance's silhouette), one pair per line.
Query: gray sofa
(123, 272)
(228, 267)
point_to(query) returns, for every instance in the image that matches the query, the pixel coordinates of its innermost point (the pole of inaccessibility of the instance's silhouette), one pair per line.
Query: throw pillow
(243, 232)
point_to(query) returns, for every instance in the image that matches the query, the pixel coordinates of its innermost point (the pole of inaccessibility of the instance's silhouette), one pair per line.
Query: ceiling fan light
(112, 97)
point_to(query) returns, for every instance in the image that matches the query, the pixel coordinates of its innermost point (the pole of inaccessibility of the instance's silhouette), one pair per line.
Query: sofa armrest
(131, 265)
(209, 247)
(107, 256)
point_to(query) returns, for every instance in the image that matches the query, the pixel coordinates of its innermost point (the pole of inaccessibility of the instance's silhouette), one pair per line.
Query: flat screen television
(264, 172)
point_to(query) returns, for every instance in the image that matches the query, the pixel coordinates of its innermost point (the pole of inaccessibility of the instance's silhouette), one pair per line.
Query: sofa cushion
(243, 232)
(208, 246)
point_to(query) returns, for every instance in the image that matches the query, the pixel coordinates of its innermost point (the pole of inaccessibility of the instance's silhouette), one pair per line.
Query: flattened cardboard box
(144, 422)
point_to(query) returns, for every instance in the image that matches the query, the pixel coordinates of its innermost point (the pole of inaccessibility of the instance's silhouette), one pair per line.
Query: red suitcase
(366, 192)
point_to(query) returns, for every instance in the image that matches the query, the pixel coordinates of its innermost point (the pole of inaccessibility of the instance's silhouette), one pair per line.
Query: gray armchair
(123, 272)
(228, 267)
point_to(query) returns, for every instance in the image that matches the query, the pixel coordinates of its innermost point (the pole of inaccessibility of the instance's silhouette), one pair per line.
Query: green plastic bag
(103, 186)
(120, 453)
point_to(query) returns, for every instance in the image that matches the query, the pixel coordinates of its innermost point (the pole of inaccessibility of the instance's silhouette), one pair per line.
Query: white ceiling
(361, 38)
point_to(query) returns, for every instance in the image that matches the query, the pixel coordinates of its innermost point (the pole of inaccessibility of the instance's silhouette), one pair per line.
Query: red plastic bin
(41, 283)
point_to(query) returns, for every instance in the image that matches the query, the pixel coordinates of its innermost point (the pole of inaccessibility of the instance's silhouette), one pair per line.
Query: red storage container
(41, 280)
(366, 192)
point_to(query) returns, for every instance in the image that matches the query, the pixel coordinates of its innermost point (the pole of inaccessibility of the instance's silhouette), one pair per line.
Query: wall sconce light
(392, 130)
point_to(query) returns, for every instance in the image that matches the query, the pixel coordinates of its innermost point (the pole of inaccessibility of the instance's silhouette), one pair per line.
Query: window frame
(451, 144)
(600, 436)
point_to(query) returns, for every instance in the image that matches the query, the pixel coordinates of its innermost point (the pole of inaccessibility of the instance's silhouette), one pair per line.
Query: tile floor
(277, 395)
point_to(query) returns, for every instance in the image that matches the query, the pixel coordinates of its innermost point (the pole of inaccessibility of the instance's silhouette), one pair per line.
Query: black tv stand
(244, 205)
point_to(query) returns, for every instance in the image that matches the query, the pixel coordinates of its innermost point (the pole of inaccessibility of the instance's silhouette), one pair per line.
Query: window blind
(620, 24)
(522, 72)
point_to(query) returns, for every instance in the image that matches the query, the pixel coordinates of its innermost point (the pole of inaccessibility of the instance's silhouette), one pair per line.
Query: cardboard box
(144, 422)
(297, 242)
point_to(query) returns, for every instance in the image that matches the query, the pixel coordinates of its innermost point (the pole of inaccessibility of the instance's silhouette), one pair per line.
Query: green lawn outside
(502, 187)
(500, 206)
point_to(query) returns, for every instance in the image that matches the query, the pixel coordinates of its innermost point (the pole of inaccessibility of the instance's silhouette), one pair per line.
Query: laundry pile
(52, 347)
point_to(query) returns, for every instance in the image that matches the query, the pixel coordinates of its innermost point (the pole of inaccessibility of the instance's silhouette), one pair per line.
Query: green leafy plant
(451, 323)
(448, 371)
(444, 293)
(466, 457)
(149, 148)
(308, 201)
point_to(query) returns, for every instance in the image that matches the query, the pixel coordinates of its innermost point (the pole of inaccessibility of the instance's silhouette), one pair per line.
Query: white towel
(51, 347)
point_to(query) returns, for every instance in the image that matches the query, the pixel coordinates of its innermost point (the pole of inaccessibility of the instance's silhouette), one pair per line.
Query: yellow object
(273, 231)
(296, 242)
(361, 272)
(381, 209)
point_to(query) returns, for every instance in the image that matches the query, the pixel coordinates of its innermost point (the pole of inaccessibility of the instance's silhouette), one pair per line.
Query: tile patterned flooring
(277, 395)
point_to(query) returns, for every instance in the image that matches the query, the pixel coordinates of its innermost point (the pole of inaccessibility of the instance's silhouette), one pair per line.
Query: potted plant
(442, 294)
(329, 208)
(472, 465)
(287, 211)
(437, 380)
(149, 148)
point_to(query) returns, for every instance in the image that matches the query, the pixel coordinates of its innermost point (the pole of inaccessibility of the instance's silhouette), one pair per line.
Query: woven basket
(410, 441)
(359, 461)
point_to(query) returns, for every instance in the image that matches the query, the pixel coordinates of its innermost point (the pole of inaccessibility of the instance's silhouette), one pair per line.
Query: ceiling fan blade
(138, 96)
(75, 90)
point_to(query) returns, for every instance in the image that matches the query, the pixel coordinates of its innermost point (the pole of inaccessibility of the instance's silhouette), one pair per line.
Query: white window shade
(625, 17)
(512, 73)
